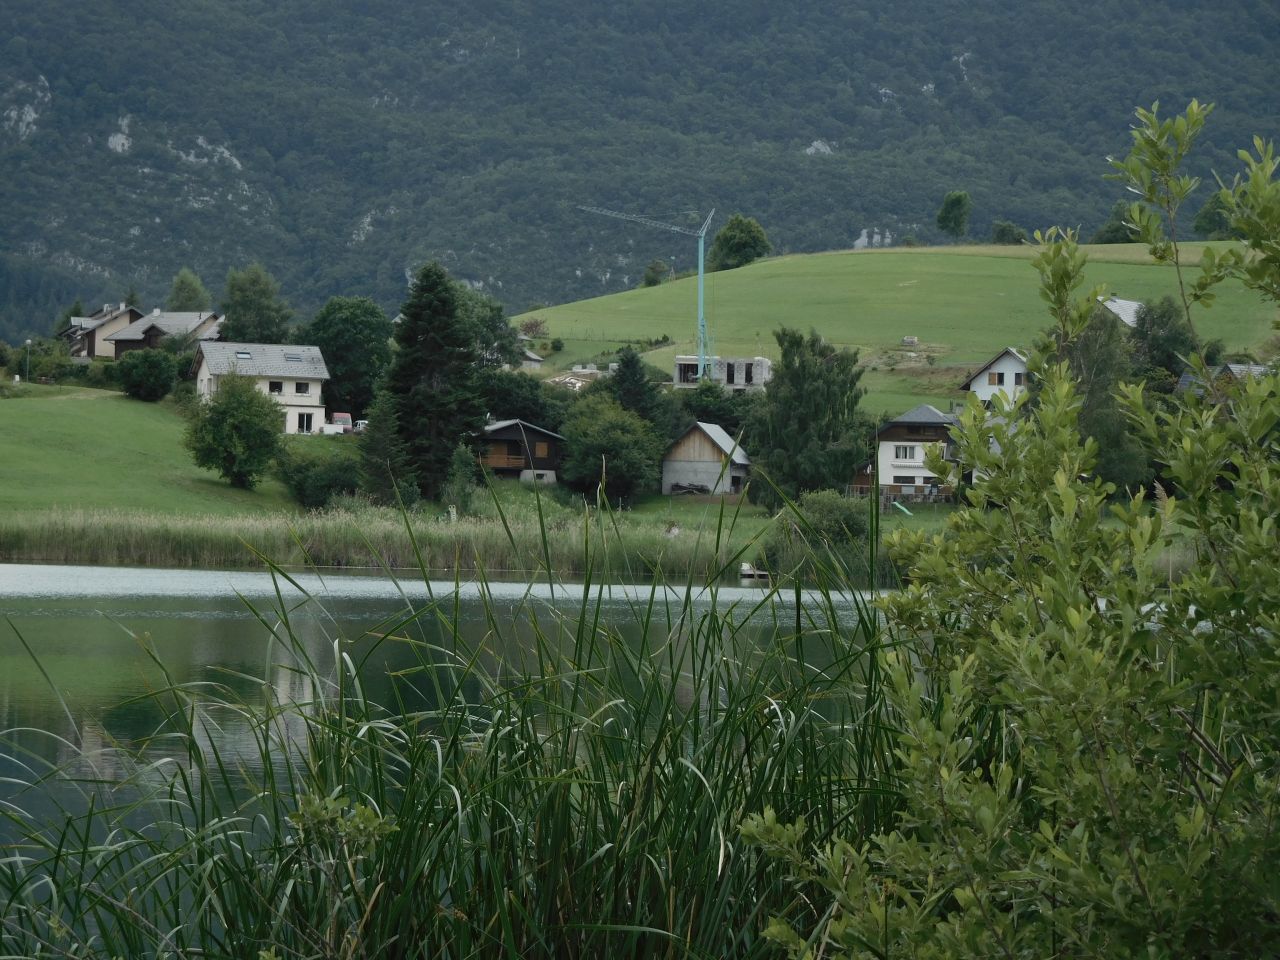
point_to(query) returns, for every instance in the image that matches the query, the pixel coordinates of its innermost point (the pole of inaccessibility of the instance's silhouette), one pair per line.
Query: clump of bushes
(318, 471)
(146, 374)
(823, 525)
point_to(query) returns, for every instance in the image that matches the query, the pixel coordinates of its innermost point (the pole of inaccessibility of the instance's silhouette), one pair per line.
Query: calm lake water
(74, 641)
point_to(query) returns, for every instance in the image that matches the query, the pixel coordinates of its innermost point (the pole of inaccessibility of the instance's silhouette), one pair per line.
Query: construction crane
(704, 344)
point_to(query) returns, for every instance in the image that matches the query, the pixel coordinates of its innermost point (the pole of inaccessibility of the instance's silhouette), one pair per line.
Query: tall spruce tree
(433, 378)
(385, 474)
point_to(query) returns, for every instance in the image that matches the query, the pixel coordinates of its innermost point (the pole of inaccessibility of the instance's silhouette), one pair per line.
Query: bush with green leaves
(146, 374)
(237, 432)
(1088, 746)
(460, 485)
(821, 527)
(739, 242)
(318, 469)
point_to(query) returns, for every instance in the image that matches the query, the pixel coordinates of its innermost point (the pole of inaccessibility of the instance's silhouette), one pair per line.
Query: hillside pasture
(963, 303)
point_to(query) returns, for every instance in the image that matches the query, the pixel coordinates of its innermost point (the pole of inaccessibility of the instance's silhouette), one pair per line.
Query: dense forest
(344, 143)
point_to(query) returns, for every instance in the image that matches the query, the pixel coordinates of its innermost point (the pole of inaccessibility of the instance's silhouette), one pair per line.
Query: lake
(81, 648)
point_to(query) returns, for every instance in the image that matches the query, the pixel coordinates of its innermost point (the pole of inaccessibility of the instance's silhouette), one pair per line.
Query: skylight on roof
(243, 355)
(296, 357)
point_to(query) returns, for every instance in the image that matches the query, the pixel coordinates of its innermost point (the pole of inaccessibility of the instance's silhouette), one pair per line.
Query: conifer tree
(434, 378)
(385, 474)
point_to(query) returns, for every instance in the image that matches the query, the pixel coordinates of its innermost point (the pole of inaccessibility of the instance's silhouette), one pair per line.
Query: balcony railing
(499, 461)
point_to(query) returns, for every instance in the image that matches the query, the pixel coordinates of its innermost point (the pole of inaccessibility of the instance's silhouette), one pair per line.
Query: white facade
(901, 463)
(1006, 374)
(732, 373)
(293, 376)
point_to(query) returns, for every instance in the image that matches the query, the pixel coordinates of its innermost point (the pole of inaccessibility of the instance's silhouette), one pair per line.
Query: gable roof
(524, 425)
(263, 359)
(991, 363)
(174, 324)
(1236, 371)
(726, 444)
(1126, 311)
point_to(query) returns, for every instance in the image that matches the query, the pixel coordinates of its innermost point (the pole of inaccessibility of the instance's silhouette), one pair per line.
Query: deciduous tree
(738, 242)
(187, 294)
(953, 215)
(808, 433)
(253, 309)
(354, 335)
(611, 448)
(146, 374)
(236, 432)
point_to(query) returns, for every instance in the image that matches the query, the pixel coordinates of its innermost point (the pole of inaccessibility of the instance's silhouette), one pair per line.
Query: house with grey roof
(147, 332)
(89, 337)
(705, 460)
(292, 375)
(1224, 375)
(1126, 311)
(901, 446)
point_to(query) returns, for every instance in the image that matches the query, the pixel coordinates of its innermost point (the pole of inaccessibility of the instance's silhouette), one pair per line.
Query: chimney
(123, 305)
(106, 308)
(155, 311)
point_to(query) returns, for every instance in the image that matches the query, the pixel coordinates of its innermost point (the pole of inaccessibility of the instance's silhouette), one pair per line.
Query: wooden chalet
(705, 460)
(514, 447)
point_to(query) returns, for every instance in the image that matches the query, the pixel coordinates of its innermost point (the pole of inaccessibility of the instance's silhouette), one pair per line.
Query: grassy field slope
(963, 303)
(75, 447)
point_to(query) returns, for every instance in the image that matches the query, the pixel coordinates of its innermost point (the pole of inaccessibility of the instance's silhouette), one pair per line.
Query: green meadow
(71, 447)
(962, 303)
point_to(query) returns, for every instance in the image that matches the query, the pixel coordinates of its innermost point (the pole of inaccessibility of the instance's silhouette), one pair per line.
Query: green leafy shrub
(820, 527)
(318, 471)
(146, 374)
(237, 432)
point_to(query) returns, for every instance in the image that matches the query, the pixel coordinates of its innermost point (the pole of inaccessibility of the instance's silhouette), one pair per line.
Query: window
(729, 370)
(304, 423)
(1018, 379)
(540, 449)
(243, 355)
(906, 480)
(748, 372)
(687, 372)
(275, 386)
(293, 357)
(302, 387)
(995, 379)
(904, 453)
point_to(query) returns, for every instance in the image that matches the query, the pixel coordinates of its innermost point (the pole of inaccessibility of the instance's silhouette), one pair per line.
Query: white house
(901, 446)
(732, 373)
(292, 375)
(1005, 373)
(705, 458)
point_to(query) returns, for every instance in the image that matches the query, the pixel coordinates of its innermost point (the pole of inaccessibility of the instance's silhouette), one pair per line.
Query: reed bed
(579, 798)
(496, 543)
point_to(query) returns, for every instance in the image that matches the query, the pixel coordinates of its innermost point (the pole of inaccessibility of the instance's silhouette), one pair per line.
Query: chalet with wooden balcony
(901, 446)
(146, 333)
(524, 450)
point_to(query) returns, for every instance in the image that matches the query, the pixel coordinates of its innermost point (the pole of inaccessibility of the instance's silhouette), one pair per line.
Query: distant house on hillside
(1005, 373)
(1224, 375)
(292, 375)
(529, 360)
(707, 460)
(518, 448)
(1126, 311)
(87, 337)
(901, 445)
(732, 373)
(147, 332)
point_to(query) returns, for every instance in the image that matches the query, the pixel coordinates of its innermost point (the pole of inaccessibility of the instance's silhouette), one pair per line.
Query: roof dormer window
(243, 355)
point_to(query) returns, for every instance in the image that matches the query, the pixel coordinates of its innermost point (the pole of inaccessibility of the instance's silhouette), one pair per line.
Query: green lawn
(76, 447)
(963, 303)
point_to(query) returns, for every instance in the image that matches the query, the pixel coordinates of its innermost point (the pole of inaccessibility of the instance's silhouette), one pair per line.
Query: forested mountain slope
(343, 143)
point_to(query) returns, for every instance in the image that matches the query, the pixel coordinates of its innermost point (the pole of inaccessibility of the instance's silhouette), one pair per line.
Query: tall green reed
(577, 795)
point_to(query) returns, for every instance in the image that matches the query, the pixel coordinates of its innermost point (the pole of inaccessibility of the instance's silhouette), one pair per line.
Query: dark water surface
(82, 647)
